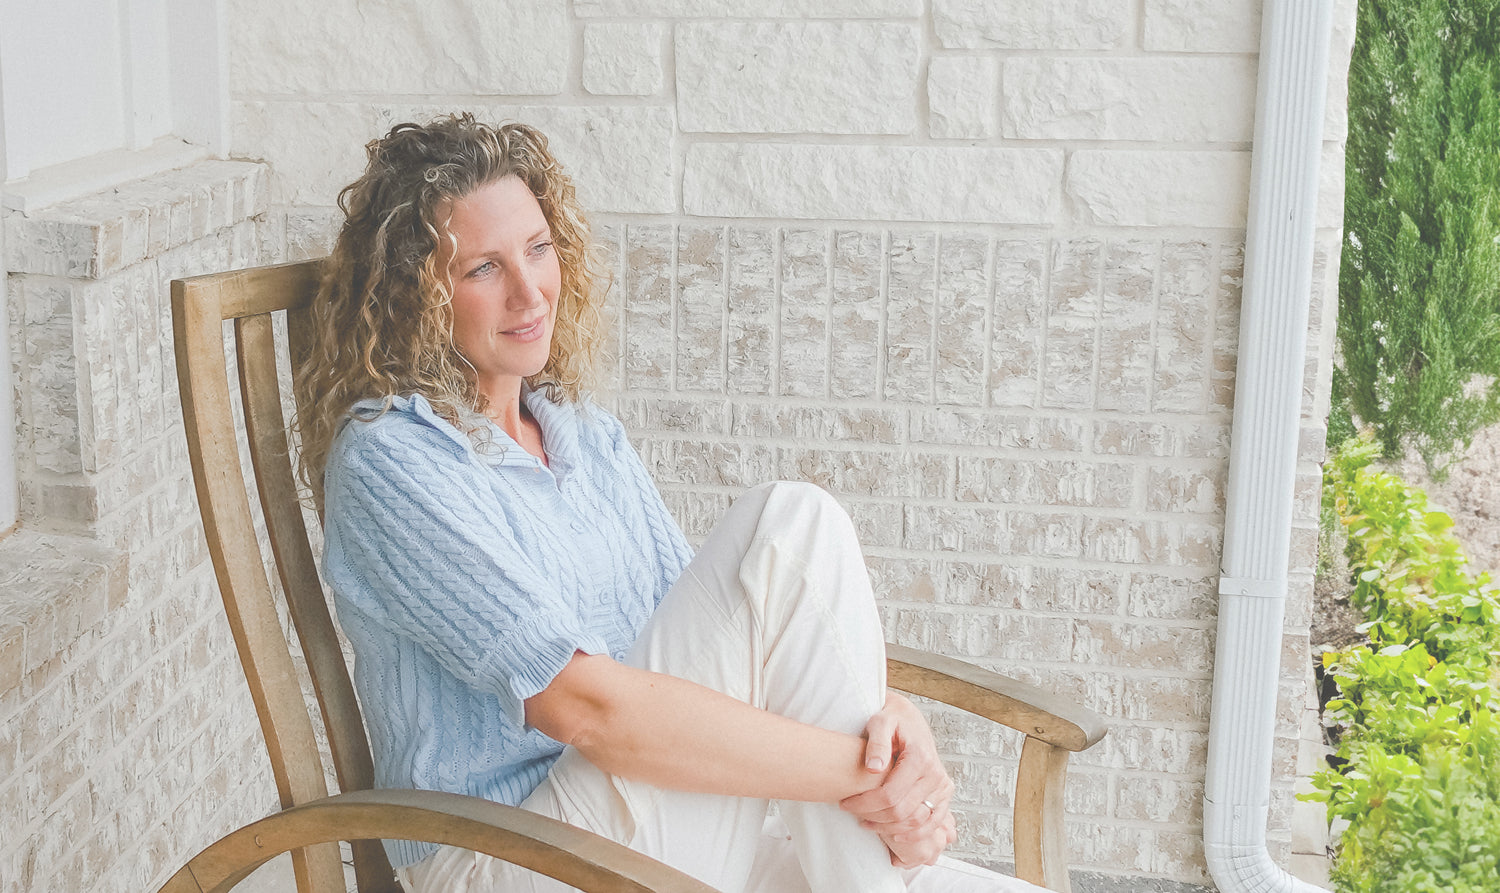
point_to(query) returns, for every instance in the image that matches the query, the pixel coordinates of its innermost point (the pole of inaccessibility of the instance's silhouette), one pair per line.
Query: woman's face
(506, 279)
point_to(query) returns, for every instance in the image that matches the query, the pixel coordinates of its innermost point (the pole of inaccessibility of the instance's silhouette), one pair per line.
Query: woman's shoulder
(400, 427)
(583, 419)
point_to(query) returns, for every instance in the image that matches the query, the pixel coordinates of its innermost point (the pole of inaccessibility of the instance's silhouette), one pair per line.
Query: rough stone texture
(648, 308)
(318, 147)
(963, 290)
(96, 236)
(752, 304)
(803, 9)
(962, 92)
(1336, 110)
(127, 737)
(701, 308)
(805, 77)
(1202, 26)
(856, 310)
(910, 317)
(1063, 25)
(615, 154)
(1197, 100)
(515, 47)
(622, 59)
(802, 367)
(1156, 188)
(872, 182)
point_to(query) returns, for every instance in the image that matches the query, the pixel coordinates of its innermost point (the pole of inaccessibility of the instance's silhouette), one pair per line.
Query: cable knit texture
(467, 577)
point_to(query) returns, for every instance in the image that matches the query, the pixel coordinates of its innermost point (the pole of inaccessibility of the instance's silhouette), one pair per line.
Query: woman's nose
(523, 291)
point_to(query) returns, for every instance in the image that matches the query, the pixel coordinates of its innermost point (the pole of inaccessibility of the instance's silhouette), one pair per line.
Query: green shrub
(1419, 784)
(1419, 281)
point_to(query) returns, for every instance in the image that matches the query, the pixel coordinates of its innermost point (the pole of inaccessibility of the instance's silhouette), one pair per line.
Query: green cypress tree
(1419, 282)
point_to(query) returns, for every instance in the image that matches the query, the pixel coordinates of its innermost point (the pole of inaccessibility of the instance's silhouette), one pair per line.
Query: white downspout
(1294, 53)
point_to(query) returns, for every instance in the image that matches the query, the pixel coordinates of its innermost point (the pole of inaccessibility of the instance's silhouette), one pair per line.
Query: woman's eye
(541, 248)
(482, 269)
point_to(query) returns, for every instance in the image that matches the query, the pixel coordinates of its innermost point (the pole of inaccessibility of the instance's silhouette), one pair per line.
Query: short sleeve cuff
(534, 670)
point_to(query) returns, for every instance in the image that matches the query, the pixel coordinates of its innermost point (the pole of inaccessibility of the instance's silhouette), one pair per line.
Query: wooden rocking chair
(311, 821)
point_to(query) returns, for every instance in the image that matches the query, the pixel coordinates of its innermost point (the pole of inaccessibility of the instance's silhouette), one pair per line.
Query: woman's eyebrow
(463, 257)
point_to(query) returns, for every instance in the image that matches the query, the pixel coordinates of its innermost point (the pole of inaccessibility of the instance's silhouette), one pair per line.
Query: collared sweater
(466, 576)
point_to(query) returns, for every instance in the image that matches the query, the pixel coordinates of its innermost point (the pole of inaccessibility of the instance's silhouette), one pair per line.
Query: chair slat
(274, 478)
(266, 428)
(248, 603)
(1038, 823)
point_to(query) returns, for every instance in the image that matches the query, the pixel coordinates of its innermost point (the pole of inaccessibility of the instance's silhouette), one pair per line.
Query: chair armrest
(572, 855)
(1010, 702)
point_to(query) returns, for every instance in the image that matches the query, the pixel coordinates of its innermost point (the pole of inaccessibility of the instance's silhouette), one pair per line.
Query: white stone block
(1146, 188)
(856, 312)
(617, 155)
(1202, 26)
(1052, 25)
(1331, 186)
(797, 77)
(296, 48)
(622, 59)
(1210, 99)
(752, 310)
(910, 317)
(979, 185)
(803, 361)
(310, 232)
(318, 147)
(1336, 108)
(962, 93)
(51, 247)
(701, 299)
(789, 9)
(647, 292)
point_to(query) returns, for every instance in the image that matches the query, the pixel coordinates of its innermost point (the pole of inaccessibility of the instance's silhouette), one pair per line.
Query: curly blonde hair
(383, 320)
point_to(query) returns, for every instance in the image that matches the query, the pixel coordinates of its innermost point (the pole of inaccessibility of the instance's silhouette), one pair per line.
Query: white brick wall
(127, 737)
(974, 266)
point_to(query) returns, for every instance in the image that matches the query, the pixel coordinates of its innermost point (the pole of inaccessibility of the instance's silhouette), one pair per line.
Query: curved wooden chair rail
(311, 821)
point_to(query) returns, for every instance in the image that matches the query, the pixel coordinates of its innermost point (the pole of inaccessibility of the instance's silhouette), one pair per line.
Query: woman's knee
(799, 495)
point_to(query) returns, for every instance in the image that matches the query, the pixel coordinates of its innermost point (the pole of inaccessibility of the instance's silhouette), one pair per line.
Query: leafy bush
(1419, 282)
(1420, 746)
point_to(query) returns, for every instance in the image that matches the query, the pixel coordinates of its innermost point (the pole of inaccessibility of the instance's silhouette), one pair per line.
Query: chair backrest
(250, 299)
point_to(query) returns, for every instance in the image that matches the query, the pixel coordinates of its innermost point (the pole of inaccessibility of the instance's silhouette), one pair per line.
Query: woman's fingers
(880, 737)
(922, 846)
(895, 800)
(905, 794)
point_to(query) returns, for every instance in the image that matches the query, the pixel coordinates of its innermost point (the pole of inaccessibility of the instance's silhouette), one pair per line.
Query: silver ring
(930, 807)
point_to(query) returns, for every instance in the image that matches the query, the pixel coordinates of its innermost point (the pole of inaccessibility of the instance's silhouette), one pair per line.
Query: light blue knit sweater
(466, 579)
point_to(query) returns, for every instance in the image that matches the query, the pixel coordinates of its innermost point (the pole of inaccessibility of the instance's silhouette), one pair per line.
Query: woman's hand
(909, 810)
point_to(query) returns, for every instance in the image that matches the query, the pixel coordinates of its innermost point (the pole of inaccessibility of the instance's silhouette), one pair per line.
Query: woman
(528, 623)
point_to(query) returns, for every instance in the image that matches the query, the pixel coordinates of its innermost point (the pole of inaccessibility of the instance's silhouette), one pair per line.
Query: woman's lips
(526, 333)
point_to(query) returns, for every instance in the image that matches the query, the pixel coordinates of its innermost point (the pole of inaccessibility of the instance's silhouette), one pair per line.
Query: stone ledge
(52, 588)
(95, 235)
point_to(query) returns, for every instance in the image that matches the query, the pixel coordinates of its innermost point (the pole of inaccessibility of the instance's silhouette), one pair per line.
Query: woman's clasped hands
(910, 808)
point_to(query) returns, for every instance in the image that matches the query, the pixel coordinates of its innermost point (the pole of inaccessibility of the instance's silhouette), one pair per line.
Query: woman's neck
(505, 409)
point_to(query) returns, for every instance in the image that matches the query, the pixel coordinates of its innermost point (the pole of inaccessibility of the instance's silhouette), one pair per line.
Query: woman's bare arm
(681, 735)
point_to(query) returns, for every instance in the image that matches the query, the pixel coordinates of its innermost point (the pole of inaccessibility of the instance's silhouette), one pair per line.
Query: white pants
(775, 610)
